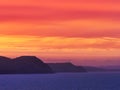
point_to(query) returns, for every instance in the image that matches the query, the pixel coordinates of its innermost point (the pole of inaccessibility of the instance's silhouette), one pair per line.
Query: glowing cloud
(60, 28)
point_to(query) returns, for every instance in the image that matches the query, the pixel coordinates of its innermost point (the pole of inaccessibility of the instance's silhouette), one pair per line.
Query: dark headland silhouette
(34, 65)
(66, 67)
(23, 65)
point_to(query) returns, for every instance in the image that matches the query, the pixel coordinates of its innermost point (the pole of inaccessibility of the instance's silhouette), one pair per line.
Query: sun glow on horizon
(60, 28)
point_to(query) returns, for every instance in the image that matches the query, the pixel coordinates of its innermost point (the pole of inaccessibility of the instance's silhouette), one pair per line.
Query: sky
(80, 31)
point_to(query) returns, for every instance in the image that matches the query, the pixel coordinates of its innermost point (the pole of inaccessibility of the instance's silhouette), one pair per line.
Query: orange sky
(61, 29)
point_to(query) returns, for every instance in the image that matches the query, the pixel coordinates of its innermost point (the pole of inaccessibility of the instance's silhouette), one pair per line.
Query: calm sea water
(66, 81)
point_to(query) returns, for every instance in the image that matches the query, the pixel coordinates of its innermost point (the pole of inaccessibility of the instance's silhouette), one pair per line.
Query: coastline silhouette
(34, 65)
(23, 65)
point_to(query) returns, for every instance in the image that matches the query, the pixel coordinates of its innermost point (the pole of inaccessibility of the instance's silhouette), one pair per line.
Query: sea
(61, 81)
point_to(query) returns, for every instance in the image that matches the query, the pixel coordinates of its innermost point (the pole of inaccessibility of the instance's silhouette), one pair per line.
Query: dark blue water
(68, 81)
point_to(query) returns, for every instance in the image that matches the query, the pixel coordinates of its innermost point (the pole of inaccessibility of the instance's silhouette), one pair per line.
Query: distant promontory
(34, 65)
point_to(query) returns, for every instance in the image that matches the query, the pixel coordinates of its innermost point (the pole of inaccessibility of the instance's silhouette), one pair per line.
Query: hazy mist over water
(61, 81)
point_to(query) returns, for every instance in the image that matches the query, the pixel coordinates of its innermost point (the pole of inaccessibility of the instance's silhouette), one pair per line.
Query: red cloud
(12, 13)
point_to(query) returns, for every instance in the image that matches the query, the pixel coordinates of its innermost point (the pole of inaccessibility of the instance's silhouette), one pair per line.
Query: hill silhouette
(66, 67)
(23, 65)
(94, 69)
